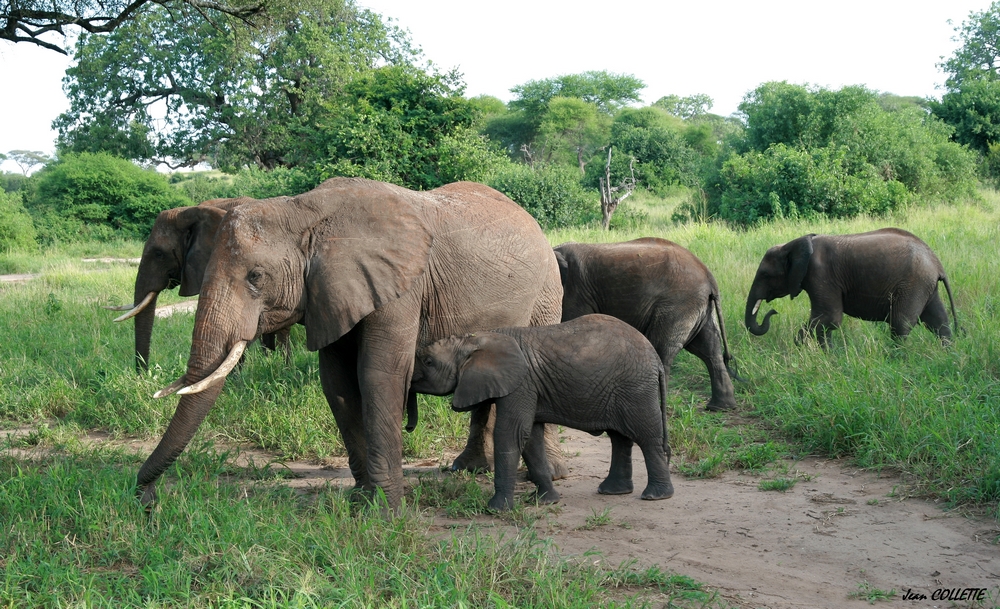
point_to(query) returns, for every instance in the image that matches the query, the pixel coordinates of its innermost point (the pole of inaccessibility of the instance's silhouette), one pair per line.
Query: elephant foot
(615, 487)
(714, 405)
(470, 463)
(500, 503)
(559, 469)
(655, 492)
(546, 497)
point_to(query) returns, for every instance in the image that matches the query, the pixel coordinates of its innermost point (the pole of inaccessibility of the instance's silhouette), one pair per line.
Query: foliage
(550, 193)
(17, 231)
(97, 196)
(656, 141)
(973, 112)
(577, 125)
(228, 94)
(13, 182)
(978, 56)
(685, 107)
(393, 124)
(840, 153)
(26, 159)
(29, 20)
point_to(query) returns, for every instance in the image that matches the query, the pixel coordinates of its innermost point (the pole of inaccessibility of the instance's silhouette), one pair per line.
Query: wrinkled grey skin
(176, 253)
(373, 271)
(884, 275)
(594, 373)
(658, 288)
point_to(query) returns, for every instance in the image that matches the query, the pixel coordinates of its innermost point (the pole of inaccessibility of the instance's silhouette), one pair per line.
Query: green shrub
(552, 194)
(786, 182)
(17, 232)
(280, 181)
(12, 182)
(97, 196)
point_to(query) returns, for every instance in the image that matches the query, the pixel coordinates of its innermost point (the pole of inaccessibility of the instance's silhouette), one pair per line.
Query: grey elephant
(373, 271)
(884, 275)
(175, 254)
(595, 373)
(659, 288)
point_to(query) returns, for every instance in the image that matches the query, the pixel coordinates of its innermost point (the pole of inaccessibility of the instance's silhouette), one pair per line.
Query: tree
(685, 107)
(170, 87)
(26, 159)
(978, 54)
(575, 126)
(519, 129)
(30, 20)
(971, 104)
(611, 196)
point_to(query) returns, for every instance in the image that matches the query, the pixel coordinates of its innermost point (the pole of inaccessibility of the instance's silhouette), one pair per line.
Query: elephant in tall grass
(176, 253)
(373, 271)
(884, 275)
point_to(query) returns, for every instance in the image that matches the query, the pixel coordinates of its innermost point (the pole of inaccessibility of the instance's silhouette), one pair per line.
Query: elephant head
(328, 258)
(780, 274)
(475, 367)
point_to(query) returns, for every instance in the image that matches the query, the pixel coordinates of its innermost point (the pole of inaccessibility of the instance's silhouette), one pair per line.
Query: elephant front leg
(338, 376)
(514, 422)
(619, 480)
(539, 471)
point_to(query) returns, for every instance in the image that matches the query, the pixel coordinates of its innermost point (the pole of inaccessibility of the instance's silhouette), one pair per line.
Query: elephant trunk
(191, 411)
(753, 303)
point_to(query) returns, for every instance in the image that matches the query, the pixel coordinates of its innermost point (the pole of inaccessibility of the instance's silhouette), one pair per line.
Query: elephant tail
(947, 287)
(663, 412)
(727, 357)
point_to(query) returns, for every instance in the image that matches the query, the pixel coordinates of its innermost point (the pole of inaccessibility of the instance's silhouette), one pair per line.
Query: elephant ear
(799, 254)
(363, 254)
(199, 224)
(563, 264)
(494, 368)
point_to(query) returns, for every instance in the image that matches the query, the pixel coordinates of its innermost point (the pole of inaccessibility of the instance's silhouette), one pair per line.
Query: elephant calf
(884, 275)
(595, 373)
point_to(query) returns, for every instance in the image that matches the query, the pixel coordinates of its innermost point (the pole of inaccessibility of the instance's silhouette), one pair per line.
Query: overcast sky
(724, 48)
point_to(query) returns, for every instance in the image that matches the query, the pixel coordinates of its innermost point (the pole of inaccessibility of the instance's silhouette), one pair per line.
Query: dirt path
(837, 529)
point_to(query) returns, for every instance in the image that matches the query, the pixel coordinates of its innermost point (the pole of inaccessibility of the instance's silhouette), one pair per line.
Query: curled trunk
(753, 303)
(143, 333)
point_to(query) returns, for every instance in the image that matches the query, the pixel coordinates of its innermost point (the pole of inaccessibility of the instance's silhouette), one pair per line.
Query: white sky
(724, 48)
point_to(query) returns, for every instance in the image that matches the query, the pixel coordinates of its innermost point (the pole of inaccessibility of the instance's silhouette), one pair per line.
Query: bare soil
(838, 532)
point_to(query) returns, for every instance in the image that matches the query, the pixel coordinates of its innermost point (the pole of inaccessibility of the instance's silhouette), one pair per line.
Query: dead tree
(609, 197)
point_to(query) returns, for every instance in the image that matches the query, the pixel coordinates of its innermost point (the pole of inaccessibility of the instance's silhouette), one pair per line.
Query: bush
(551, 194)
(17, 232)
(786, 182)
(278, 182)
(13, 182)
(96, 196)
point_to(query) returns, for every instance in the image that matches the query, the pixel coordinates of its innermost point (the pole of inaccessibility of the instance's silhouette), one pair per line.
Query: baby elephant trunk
(753, 304)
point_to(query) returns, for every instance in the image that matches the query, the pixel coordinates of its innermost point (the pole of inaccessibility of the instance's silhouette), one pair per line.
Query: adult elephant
(373, 271)
(884, 275)
(660, 289)
(175, 254)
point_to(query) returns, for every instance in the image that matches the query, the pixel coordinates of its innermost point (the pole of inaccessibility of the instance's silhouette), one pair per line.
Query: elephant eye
(428, 362)
(255, 277)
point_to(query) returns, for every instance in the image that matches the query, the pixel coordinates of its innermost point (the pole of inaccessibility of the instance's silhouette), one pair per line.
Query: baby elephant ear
(494, 368)
(799, 254)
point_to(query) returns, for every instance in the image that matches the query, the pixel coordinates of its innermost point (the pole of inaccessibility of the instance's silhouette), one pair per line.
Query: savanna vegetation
(327, 88)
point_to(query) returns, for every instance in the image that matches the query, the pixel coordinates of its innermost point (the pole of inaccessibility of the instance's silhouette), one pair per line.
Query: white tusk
(138, 308)
(119, 307)
(220, 373)
(756, 306)
(171, 388)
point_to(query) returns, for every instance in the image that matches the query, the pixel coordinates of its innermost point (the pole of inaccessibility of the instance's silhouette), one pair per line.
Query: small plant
(709, 467)
(755, 457)
(777, 484)
(873, 501)
(872, 594)
(596, 520)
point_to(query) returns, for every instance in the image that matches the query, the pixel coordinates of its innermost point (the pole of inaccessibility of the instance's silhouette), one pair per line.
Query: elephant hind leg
(935, 317)
(658, 484)
(619, 480)
(538, 465)
(707, 346)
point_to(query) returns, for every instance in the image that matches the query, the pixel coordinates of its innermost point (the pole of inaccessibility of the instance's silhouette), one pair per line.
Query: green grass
(74, 535)
(777, 484)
